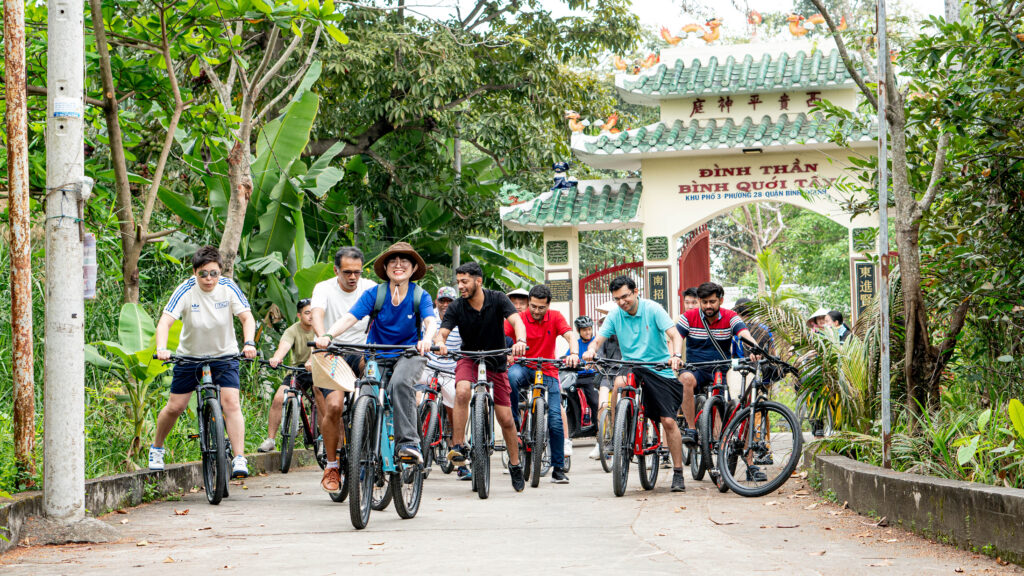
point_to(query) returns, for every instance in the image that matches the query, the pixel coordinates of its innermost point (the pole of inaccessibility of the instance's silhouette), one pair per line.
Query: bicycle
(435, 429)
(711, 411)
(294, 415)
(481, 418)
(533, 435)
(634, 433)
(756, 433)
(214, 446)
(377, 475)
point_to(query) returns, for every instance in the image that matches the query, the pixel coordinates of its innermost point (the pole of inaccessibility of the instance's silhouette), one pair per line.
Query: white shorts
(446, 381)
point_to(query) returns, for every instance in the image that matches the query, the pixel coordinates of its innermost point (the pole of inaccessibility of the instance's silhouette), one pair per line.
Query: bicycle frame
(482, 386)
(432, 395)
(385, 426)
(635, 395)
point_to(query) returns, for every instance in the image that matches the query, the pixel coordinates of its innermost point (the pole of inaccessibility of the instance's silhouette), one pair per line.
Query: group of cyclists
(351, 310)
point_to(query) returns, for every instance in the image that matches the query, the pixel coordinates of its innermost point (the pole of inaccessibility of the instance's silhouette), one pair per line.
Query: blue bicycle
(376, 474)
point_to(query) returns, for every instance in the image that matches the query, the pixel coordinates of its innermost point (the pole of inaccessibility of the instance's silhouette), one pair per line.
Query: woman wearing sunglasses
(206, 303)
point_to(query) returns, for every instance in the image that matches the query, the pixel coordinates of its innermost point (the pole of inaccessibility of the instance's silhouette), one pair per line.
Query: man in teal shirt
(644, 329)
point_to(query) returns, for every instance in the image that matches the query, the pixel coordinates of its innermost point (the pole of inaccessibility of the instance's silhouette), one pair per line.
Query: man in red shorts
(478, 314)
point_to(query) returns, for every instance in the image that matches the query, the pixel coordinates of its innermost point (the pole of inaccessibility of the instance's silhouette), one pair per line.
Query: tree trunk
(919, 354)
(240, 177)
(122, 188)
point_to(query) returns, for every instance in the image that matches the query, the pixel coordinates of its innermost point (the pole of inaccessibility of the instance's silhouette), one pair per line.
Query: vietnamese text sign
(558, 252)
(561, 290)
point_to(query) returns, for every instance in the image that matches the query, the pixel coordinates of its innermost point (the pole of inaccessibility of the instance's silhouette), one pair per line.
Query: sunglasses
(208, 273)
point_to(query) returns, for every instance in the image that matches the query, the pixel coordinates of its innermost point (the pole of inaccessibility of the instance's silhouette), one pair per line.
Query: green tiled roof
(591, 205)
(714, 134)
(819, 69)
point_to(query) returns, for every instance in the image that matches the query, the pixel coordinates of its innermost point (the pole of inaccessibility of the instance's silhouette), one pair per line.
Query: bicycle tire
(363, 461)
(381, 490)
(289, 429)
(428, 434)
(215, 464)
(623, 446)
(481, 460)
(567, 464)
(444, 446)
(342, 493)
(526, 456)
(605, 429)
(733, 442)
(407, 495)
(648, 464)
(709, 430)
(539, 439)
(732, 459)
(693, 456)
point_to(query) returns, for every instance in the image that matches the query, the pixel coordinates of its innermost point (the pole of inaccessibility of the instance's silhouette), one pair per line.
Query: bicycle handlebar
(610, 362)
(183, 359)
(479, 353)
(283, 366)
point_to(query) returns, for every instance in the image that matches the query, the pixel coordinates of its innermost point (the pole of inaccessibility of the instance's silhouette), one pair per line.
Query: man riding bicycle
(644, 330)
(478, 315)
(543, 327)
(206, 303)
(708, 330)
(396, 320)
(331, 299)
(294, 340)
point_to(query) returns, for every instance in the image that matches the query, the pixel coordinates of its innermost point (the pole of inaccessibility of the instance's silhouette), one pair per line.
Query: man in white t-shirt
(331, 300)
(206, 304)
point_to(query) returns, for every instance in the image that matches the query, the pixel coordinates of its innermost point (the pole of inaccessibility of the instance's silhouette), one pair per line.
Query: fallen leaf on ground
(121, 511)
(803, 475)
(262, 474)
(204, 528)
(181, 512)
(787, 526)
(893, 540)
(828, 528)
(289, 493)
(124, 521)
(1001, 562)
(865, 534)
(376, 543)
(772, 503)
(821, 553)
(717, 523)
(168, 560)
(244, 487)
(193, 490)
(879, 564)
(835, 512)
(237, 483)
(802, 492)
(142, 543)
(958, 570)
(845, 505)
(811, 506)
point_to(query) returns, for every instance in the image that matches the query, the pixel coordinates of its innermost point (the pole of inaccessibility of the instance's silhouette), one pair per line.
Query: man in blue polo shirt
(708, 330)
(644, 330)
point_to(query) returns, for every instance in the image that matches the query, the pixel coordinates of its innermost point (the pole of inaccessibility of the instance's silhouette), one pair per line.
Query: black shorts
(187, 377)
(662, 396)
(705, 378)
(353, 361)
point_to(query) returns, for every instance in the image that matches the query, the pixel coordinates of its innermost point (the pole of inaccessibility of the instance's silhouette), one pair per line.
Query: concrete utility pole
(64, 394)
(16, 118)
(883, 233)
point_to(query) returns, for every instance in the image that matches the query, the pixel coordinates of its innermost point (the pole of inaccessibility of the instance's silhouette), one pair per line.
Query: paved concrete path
(284, 524)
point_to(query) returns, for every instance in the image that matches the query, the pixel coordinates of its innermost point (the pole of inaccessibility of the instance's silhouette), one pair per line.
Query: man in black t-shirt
(479, 316)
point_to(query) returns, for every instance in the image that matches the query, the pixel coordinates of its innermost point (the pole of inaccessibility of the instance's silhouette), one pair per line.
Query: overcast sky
(657, 13)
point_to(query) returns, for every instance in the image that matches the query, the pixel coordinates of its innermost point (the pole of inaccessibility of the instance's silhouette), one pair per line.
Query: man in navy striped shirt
(708, 330)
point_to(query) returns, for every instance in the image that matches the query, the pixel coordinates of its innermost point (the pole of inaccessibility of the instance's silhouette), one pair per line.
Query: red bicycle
(634, 434)
(435, 429)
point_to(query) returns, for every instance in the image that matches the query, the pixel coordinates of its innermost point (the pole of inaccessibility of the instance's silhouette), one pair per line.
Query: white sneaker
(567, 447)
(267, 446)
(239, 467)
(156, 458)
(595, 453)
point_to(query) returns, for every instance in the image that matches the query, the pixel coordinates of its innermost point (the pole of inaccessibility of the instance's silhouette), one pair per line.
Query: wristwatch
(248, 343)
(521, 341)
(677, 355)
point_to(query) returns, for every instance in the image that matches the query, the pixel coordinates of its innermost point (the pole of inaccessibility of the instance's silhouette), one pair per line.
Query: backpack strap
(382, 293)
(417, 299)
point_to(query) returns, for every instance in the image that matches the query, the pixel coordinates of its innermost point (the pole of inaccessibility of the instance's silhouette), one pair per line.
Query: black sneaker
(458, 455)
(678, 484)
(754, 474)
(410, 453)
(464, 473)
(558, 476)
(516, 472)
(689, 437)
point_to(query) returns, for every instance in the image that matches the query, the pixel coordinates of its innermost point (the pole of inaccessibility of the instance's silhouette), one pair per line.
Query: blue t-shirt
(642, 335)
(582, 345)
(394, 325)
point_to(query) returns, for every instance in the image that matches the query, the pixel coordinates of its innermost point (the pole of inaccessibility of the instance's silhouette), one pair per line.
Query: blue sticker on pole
(64, 107)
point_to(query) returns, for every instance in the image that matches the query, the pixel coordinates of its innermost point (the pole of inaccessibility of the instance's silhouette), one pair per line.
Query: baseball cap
(447, 292)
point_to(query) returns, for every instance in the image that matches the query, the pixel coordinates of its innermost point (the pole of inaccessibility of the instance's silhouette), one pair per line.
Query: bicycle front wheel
(648, 462)
(623, 446)
(760, 449)
(480, 456)
(709, 433)
(428, 434)
(407, 489)
(289, 430)
(538, 439)
(605, 429)
(363, 461)
(214, 448)
(444, 445)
